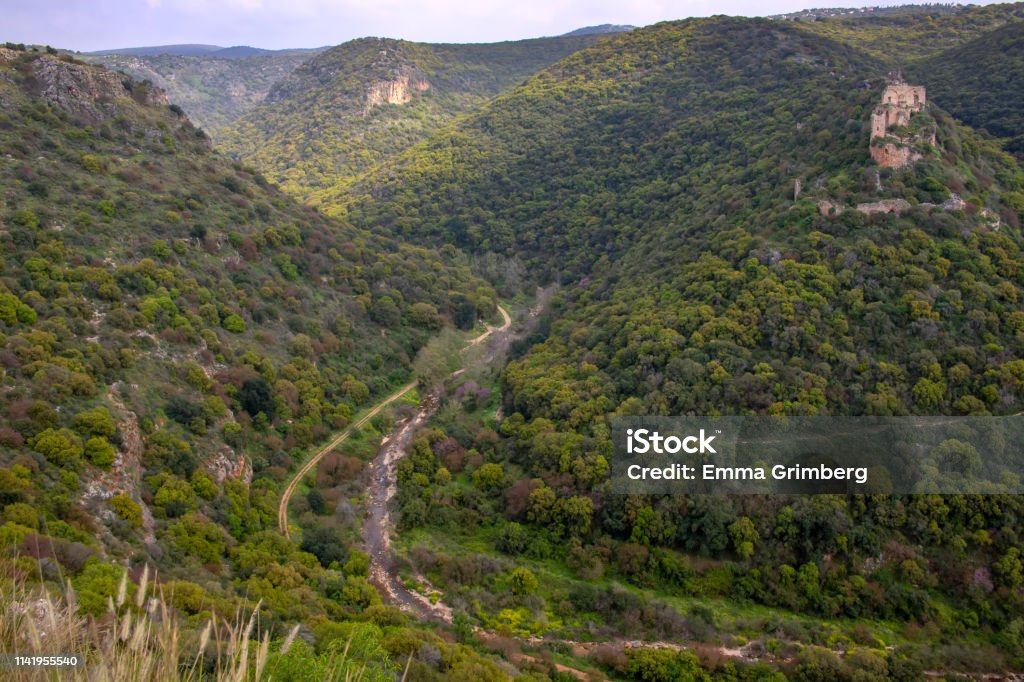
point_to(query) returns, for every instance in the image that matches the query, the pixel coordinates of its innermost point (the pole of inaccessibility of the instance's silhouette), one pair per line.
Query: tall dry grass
(136, 640)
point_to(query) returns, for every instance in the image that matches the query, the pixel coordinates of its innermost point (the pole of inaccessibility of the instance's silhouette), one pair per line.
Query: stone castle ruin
(899, 102)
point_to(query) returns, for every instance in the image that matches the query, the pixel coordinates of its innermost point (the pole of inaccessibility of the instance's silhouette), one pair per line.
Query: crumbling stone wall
(899, 102)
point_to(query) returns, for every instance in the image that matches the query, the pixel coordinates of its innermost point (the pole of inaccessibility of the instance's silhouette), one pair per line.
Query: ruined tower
(899, 102)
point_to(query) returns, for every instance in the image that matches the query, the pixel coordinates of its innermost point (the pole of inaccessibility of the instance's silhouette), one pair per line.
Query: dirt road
(282, 507)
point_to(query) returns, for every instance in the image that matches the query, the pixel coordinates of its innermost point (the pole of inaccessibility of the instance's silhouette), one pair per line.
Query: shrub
(60, 447)
(234, 324)
(523, 581)
(126, 509)
(92, 163)
(99, 452)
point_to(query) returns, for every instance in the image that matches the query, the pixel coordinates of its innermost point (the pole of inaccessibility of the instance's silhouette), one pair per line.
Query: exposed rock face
(229, 464)
(396, 91)
(88, 92)
(125, 476)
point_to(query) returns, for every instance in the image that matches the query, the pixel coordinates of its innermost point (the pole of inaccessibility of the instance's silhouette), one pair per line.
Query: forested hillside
(969, 58)
(364, 101)
(703, 193)
(213, 89)
(900, 37)
(174, 334)
(982, 83)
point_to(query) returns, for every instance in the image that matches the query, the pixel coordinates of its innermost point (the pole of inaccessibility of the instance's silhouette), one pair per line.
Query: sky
(106, 24)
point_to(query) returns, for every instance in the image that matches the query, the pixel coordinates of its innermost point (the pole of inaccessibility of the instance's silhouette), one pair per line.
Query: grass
(138, 638)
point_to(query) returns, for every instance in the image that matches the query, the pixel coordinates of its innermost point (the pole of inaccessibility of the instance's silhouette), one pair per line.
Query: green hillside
(174, 335)
(900, 37)
(212, 89)
(982, 83)
(329, 121)
(653, 177)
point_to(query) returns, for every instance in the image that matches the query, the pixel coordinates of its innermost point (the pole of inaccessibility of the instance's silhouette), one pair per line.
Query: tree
(425, 315)
(574, 515)
(234, 324)
(316, 501)
(1009, 569)
(200, 537)
(173, 497)
(956, 456)
(167, 453)
(489, 477)
(523, 581)
(438, 358)
(386, 312)
(255, 397)
(95, 422)
(203, 485)
(326, 544)
(60, 447)
(358, 564)
(664, 665)
(358, 593)
(463, 312)
(97, 585)
(540, 505)
(512, 539)
(744, 537)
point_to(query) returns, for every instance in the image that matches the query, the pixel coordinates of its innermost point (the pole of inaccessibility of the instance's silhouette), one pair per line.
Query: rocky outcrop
(229, 464)
(397, 91)
(89, 93)
(125, 476)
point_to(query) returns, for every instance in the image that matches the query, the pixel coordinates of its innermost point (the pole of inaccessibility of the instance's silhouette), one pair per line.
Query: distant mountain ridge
(600, 29)
(199, 50)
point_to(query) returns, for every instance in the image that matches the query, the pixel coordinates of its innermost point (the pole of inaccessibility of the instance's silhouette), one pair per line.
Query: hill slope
(169, 323)
(655, 177)
(357, 104)
(982, 82)
(213, 88)
(904, 34)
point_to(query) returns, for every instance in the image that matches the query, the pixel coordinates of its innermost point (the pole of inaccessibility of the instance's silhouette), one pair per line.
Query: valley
(309, 359)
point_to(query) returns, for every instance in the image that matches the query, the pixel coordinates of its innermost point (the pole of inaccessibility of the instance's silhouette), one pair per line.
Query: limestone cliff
(397, 91)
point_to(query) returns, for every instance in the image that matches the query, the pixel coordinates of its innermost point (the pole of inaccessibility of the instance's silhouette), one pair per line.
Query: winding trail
(282, 507)
(293, 484)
